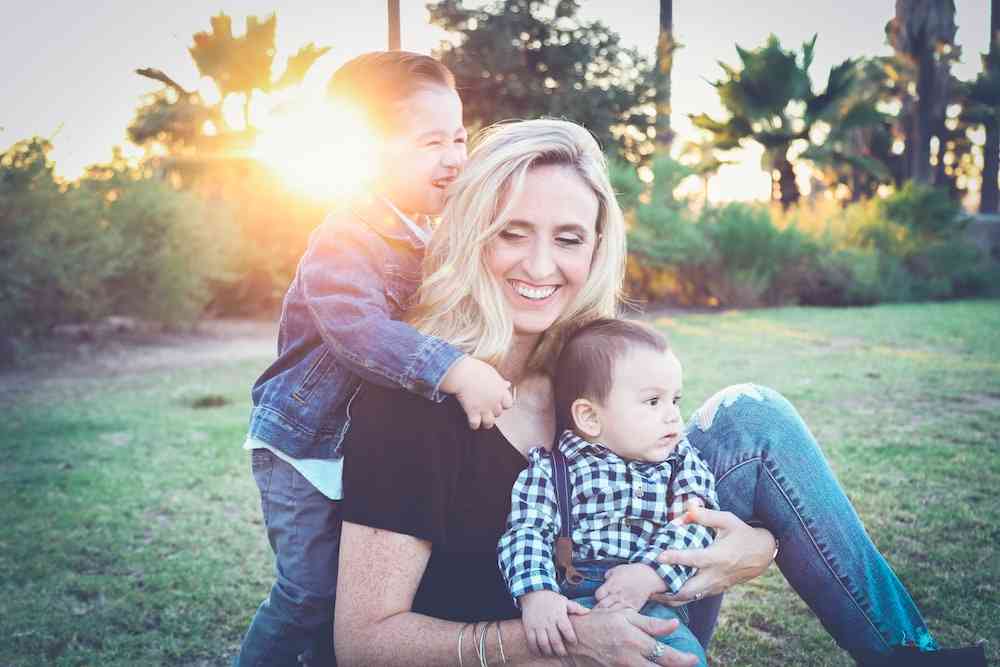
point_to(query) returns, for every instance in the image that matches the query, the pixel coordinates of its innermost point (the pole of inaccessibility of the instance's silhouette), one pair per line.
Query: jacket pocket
(317, 371)
(401, 284)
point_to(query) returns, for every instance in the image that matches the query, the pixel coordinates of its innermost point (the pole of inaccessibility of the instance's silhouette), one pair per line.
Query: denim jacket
(339, 325)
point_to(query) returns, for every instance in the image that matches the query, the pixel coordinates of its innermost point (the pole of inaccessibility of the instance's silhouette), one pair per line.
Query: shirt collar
(422, 233)
(389, 222)
(573, 446)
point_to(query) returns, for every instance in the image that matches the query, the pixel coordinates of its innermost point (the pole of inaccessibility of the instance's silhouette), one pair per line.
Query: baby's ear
(586, 420)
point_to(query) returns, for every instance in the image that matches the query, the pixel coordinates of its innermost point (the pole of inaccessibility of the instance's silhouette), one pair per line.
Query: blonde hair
(460, 300)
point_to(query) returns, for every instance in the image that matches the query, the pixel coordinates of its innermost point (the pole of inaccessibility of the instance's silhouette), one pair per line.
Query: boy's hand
(482, 392)
(628, 586)
(545, 615)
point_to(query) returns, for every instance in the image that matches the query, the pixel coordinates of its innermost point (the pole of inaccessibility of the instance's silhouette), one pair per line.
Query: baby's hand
(545, 615)
(482, 392)
(628, 586)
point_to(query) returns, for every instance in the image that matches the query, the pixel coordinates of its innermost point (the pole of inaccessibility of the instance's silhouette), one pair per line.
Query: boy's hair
(586, 366)
(460, 300)
(378, 81)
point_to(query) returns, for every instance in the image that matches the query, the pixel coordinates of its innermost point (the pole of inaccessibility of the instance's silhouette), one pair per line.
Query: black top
(415, 467)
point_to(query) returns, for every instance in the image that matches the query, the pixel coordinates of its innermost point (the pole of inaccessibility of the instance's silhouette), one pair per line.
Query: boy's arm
(693, 481)
(524, 552)
(343, 284)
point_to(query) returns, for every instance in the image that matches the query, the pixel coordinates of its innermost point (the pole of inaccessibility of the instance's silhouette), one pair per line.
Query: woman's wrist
(769, 547)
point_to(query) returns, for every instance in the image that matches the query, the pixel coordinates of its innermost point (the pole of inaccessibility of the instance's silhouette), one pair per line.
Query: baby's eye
(653, 402)
(677, 399)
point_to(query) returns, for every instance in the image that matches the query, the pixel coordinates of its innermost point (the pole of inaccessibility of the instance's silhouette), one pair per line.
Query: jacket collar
(384, 219)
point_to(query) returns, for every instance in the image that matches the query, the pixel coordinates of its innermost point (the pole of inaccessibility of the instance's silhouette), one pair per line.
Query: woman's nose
(539, 264)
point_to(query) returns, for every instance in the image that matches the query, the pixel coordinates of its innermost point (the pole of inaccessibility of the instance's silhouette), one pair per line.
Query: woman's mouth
(539, 293)
(442, 183)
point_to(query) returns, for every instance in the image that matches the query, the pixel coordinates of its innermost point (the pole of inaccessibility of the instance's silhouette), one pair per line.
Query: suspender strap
(561, 471)
(564, 543)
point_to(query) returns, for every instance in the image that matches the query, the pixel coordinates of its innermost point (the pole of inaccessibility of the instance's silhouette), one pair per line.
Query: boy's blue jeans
(593, 572)
(303, 527)
(770, 472)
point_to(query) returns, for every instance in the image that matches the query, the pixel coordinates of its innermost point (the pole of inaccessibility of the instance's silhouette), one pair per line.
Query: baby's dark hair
(378, 81)
(586, 365)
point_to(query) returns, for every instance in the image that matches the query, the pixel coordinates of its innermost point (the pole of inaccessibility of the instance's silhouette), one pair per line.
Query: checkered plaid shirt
(621, 509)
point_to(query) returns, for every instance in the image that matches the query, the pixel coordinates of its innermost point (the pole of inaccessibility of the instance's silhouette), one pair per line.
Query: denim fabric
(770, 472)
(303, 527)
(593, 571)
(339, 324)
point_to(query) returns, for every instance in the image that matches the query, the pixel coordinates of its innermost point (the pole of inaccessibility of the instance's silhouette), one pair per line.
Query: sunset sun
(323, 150)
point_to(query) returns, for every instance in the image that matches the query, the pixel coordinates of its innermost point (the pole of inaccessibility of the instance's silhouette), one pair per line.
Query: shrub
(927, 213)
(754, 262)
(111, 244)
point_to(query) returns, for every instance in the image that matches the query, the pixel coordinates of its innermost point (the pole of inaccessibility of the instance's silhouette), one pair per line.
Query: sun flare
(324, 150)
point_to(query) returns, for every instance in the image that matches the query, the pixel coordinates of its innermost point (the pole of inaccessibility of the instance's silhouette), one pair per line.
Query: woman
(535, 245)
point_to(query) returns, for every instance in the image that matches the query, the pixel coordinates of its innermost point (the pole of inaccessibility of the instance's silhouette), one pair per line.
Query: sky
(67, 68)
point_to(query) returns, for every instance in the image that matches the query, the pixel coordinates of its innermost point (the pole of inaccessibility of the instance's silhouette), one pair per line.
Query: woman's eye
(569, 241)
(508, 235)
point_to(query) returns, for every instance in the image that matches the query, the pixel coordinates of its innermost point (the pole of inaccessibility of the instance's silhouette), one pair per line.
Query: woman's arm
(740, 553)
(376, 583)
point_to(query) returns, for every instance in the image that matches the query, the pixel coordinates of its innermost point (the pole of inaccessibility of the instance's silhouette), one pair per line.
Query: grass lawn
(134, 533)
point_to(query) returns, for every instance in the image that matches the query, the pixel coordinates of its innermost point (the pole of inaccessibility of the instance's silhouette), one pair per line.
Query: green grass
(134, 532)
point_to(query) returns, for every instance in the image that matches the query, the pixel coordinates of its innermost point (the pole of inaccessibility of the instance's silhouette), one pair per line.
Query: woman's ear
(585, 418)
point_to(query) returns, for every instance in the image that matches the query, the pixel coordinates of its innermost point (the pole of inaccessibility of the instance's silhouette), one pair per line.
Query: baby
(629, 471)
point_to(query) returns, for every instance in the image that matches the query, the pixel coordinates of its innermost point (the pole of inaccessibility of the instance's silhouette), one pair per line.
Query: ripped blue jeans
(770, 472)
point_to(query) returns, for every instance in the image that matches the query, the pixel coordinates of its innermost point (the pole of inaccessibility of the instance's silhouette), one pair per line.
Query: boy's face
(425, 152)
(640, 419)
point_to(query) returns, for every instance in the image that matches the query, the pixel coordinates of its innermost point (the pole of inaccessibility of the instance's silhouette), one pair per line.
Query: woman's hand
(625, 638)
(739, 553)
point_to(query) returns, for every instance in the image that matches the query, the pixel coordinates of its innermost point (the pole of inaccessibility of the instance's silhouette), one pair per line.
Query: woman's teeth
(534, 292)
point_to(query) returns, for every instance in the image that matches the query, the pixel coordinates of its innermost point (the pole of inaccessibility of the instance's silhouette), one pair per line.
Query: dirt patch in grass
(60, 366)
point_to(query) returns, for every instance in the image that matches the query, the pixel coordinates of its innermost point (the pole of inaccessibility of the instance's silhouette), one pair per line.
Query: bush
(112, 244)
(927, 213)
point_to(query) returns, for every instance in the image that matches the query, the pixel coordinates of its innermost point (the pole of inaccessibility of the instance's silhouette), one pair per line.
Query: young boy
(339, 325)
(630, 472)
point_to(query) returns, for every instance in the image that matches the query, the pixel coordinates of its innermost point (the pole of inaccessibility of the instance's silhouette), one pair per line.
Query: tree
(770, 100)
(923, 35)
(179, 119)
(665, 47)
(191, 145)
(530, 58)
(858, 154)
(983, 107)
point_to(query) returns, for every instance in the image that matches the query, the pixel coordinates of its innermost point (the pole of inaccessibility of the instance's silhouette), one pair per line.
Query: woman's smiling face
(542, 257)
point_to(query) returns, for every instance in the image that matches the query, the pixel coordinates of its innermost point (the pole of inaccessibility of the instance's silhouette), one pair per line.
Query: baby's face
(641, 420)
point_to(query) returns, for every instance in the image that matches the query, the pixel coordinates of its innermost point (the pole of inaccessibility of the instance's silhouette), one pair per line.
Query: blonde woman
(533, 245)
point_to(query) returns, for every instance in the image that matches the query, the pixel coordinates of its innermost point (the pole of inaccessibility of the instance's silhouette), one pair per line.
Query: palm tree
(176, 116)
(983, 107)
(923, 35)
(770, 101)
(665, 47)
(393, 12)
